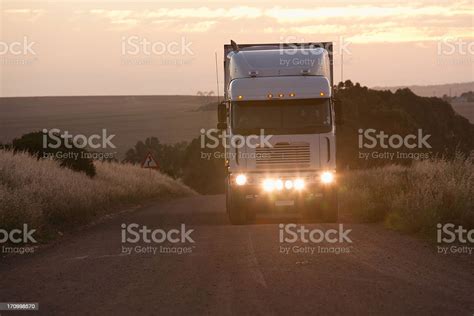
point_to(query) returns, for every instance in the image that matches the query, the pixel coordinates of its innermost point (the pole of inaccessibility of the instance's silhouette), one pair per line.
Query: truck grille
(283, 156)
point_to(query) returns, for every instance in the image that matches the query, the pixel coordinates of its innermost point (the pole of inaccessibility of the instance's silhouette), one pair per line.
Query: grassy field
(465, 109)
(50, 198)
(413, 199)
(410, 199)
(130, 118)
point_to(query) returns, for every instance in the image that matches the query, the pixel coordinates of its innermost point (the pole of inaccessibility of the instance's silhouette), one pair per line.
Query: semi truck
(279, 118)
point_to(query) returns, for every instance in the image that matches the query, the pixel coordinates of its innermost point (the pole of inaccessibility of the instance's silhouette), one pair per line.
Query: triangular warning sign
(150, 162)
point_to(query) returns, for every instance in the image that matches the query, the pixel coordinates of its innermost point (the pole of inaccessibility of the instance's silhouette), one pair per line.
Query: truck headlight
(279, 184)
(241, 179)
(269, 185)
(327, 177)
(299, 184)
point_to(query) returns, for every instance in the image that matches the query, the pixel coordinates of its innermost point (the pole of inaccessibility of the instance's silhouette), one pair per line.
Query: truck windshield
(281, 116)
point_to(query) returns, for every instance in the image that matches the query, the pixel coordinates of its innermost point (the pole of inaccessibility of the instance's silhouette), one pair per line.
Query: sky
(119, 47)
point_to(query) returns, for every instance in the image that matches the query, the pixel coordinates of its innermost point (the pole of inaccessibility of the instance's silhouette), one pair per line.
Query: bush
(206, 174)
(75, 160)
(169, 157)
(413, 199)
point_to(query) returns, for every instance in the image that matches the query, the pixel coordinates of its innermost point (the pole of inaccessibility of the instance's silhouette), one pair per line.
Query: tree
(73, 158)
(169, 157)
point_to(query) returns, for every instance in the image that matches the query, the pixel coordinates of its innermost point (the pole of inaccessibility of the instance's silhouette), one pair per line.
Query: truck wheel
(235, 208)
(330, 207)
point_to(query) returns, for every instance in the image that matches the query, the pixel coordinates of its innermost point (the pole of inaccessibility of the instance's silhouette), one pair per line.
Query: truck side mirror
(222, 116)
(338, 111)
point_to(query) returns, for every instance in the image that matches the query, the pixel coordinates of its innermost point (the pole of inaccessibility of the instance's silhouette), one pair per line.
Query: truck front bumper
(255, 196)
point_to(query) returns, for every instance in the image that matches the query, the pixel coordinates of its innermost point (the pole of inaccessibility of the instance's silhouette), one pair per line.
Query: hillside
(130, 118)
(180, 118)
(463, 104)
(401, 113)
(452, 89)
(465, 109)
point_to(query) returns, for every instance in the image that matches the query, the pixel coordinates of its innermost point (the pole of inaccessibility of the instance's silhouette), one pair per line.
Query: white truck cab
(279, 119)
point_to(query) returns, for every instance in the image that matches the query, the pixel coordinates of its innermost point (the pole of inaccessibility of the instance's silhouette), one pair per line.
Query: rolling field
(465, 109)
(130, 118)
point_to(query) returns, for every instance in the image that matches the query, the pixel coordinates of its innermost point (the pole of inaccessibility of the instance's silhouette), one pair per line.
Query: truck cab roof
(276, 62)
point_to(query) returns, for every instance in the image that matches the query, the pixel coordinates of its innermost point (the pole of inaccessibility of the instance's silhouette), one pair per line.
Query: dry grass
(413, 199)
(46, 196)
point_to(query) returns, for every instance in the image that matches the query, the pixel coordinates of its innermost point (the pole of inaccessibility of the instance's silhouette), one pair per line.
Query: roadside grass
(50, 198)
(413, 199)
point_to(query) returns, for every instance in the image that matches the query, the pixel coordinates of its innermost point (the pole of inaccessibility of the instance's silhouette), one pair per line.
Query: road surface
(237, 270)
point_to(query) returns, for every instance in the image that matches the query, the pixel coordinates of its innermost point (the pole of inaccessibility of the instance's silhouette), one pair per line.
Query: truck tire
(330, 207)
(235, 207)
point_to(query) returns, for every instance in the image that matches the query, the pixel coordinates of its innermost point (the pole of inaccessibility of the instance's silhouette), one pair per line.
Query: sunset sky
(91, 48)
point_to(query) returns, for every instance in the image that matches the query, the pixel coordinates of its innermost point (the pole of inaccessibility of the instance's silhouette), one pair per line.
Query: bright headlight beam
(327, 177)
(299, 184)
(241, 179)
(279, 184)
(288, 184)
(268, 185)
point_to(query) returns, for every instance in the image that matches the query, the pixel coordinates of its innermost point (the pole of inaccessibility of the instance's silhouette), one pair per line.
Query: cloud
(365, 12)
(198, 27)
(371, 21)
(27, 15)
(240, 12)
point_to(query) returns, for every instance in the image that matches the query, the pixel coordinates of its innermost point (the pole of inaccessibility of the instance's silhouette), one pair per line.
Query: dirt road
(237, 270)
